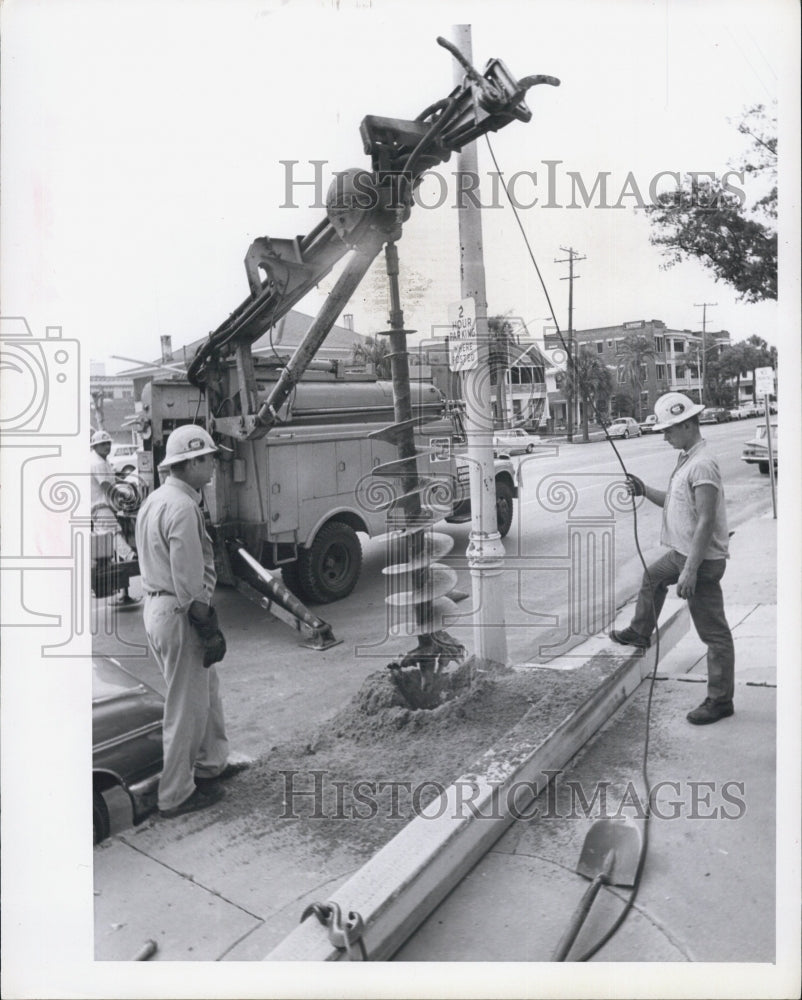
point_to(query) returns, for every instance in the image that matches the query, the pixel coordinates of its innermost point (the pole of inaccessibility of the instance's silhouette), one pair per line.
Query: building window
(643, 373)
(659, 345)
(679, 346)
(599, 346)
(660, 371)
(622, 375)
(680, 371)
(619, 346)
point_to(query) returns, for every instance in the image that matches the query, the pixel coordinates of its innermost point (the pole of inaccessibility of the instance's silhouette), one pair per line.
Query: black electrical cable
(574, 374)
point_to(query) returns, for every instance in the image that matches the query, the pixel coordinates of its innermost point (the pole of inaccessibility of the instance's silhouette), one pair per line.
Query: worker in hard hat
(102, 481)
(696, 535)
(176, 562)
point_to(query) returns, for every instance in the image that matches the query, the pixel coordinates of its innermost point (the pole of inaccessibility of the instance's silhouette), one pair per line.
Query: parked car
(647, 426)
(714, 415)
(756, 450)
(126, 741)
(624, 427)
(122, 458)
(744, 411)
(514, 441)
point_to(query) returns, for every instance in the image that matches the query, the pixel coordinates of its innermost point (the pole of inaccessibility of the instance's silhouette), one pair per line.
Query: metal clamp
(342, 935)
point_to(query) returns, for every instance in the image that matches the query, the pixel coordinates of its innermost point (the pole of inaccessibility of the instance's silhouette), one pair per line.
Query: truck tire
(504, 507)
(329, 569)
(763, 467)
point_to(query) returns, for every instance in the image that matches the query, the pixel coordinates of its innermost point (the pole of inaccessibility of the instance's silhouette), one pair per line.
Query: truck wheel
(101, 824)
(504, 510)
(329, 569)
(763, 467)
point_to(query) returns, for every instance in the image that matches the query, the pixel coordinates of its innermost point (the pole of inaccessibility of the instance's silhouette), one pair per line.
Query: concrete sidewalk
(206, 897)
(708, 886)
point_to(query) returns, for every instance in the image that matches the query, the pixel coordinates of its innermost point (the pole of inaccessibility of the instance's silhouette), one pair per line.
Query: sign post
(764, 386)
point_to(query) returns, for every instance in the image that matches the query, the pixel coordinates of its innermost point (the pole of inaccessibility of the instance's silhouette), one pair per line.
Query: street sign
(764, 381)
(463, 348)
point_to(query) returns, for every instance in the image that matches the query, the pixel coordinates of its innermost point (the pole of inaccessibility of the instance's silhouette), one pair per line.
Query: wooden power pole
(572, 256)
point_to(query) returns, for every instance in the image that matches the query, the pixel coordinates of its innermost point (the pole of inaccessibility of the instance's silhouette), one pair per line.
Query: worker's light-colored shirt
(99, 472)
(696, 467)
(175, 552)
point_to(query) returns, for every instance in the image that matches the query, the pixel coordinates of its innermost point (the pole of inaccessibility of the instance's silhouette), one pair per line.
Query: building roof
(286, 336)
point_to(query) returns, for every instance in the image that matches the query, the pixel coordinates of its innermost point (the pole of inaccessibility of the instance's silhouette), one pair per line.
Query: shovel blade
(624, 839)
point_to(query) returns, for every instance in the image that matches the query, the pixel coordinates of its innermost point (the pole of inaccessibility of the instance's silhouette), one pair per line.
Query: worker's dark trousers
(707, 611)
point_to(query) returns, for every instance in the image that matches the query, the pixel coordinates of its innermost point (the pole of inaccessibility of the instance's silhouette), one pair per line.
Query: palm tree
(589, 380)
(373, 351)
(635, 349)
(501, 346)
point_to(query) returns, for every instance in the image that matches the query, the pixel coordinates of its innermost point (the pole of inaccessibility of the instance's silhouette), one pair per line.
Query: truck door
(281, 487)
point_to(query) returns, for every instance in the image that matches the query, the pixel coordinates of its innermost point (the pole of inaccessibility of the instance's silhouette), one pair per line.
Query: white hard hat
(188, 441)
(100, 437)
(674, 408)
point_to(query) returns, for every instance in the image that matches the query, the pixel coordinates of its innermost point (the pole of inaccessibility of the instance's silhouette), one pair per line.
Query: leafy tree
(706, 218)
(622, 404)
(588, 379)
(736, 362)
(373, 351)
(635, 350)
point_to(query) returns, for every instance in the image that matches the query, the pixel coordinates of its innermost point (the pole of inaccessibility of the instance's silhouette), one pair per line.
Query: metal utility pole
(572, 256)
(485, 549)
(703, 306)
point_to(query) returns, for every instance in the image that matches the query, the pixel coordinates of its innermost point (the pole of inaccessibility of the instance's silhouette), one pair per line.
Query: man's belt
(159, 593)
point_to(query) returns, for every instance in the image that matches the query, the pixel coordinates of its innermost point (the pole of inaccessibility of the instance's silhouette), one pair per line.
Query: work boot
(201, 798)
(231, 769)
(629, 637)
(710, 711)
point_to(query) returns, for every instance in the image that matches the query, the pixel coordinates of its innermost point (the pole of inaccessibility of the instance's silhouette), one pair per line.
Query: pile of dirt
(377, 763)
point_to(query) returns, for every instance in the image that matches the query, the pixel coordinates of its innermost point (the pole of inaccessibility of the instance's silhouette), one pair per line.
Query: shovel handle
(578, 918)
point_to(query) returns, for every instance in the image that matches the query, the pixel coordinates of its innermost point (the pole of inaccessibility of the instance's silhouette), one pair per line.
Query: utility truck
(313, 459)
(298, 497)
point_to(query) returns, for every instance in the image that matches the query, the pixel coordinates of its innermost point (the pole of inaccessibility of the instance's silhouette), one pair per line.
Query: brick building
(675, 363)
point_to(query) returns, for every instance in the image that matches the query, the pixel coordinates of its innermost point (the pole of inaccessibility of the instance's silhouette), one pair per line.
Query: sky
(145, 147)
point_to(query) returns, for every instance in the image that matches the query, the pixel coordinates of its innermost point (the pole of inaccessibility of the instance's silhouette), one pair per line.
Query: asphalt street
(276, 688)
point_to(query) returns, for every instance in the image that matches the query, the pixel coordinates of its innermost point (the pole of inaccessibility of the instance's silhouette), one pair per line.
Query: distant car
(122, 458)
(514, 441)
(756, 450)
(744, 411)
(714, 415)
(624, 427)
(647, 426)
(126, 741)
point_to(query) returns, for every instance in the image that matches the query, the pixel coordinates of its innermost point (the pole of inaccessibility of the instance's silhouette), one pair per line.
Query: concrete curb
(402, 884)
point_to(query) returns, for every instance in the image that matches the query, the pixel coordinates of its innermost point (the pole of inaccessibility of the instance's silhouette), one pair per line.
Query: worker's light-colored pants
(706, 606)
(195, 742)
(104, 519)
